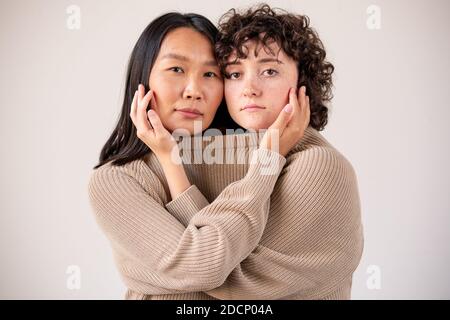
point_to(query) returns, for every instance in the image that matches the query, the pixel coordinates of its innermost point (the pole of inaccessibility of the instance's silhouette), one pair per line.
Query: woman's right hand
(148, 125)
(290, 125)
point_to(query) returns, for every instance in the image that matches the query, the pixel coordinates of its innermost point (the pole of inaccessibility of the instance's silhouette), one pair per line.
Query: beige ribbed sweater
(236, 233)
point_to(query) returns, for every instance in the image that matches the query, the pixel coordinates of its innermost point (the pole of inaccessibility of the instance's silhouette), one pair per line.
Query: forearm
(286, 261)
(175, 174)
(151, 246)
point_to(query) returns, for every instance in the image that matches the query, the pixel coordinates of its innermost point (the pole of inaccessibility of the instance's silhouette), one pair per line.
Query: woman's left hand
(148, 125)
(290, 125)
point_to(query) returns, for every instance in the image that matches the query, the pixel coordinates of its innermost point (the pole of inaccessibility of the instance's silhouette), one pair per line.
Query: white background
(61, 93)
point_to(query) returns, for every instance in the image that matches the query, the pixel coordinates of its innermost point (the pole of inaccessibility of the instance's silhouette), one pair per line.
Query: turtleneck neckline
(244, 139)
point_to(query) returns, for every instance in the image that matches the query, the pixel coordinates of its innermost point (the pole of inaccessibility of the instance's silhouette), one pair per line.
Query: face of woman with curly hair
(257, 87)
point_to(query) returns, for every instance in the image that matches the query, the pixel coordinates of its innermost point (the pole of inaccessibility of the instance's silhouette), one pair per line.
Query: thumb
(155, 121)
(283, 118)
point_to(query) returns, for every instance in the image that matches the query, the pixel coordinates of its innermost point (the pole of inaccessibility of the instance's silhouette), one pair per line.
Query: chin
(189, 127)
(253, 125)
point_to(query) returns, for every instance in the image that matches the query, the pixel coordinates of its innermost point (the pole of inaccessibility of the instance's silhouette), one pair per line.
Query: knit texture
(276, 228)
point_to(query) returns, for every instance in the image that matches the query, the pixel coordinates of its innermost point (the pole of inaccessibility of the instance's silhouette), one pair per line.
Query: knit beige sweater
(239, 232)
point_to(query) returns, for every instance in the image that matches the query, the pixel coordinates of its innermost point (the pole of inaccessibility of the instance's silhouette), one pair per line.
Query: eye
(176, 69)
(233, 75)
(210, 74)
(270, 72)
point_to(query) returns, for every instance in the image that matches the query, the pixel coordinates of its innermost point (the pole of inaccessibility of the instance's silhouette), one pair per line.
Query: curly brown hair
(293, 34)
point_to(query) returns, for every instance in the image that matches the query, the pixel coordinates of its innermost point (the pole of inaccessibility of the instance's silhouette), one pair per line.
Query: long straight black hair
(123, 145)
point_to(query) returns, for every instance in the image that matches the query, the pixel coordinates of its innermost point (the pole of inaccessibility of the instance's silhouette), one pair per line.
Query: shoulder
(319, 179)
(317, 165)
(321, 159)
(112, 174)
(134, 174)
(314, 151)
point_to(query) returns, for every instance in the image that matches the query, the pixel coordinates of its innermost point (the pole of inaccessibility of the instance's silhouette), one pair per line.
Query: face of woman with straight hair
(185, 80)
(172, 70)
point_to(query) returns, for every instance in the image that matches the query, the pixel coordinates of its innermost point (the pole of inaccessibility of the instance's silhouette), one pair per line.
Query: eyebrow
(262, 60)
(176, 56)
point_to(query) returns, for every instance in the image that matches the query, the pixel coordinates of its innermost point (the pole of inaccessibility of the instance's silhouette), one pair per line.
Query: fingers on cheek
(293, 96)
(133, 107)
(135, 101)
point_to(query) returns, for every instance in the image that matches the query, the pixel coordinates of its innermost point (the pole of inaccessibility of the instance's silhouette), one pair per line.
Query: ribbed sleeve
(313, 240)
(187, 204)
(157, 249)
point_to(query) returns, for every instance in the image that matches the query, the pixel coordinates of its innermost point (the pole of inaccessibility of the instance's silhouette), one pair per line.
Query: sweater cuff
(187, 204)
(266, 163)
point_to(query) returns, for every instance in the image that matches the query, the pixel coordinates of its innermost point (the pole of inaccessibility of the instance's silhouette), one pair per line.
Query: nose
(251, 89)
(192, 90)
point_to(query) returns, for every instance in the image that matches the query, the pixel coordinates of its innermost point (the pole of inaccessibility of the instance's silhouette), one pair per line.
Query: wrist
(167, 160)
(171, 156)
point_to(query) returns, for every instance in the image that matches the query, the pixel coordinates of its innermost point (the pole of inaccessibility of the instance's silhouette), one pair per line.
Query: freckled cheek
(278, 93)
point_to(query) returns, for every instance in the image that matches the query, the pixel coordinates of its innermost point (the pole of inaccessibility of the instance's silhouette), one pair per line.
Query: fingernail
(288, 108)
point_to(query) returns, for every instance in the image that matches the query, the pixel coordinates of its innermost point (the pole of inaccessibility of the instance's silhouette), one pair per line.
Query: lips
(252, 107)
(190, 112)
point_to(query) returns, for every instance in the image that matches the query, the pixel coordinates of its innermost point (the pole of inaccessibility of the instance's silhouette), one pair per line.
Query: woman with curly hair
(292, 55)
(313, 240)
(229, 231)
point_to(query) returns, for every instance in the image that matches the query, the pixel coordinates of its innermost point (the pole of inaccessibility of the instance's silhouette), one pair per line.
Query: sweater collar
(243, 139)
